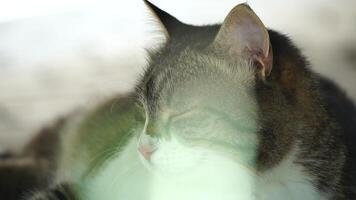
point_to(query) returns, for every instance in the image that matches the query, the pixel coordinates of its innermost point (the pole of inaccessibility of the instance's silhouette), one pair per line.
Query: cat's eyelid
(191, 110)
(178, 115)
(218, 113)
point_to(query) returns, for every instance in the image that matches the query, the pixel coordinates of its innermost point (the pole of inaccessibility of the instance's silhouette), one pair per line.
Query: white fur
(287, 181)
(127, 178)
(182, 172)
(124, 178)
(215, 177)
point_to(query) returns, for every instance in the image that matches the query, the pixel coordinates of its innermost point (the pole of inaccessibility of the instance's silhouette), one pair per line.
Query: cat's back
(343, 110)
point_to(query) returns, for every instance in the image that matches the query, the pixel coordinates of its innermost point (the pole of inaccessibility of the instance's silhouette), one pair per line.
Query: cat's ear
(243, 35)
(169, 23)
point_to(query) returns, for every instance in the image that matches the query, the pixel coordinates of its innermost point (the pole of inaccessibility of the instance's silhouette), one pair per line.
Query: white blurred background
(57, 55)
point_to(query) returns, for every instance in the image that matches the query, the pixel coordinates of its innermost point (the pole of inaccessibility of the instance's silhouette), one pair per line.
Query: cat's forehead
(193, 78)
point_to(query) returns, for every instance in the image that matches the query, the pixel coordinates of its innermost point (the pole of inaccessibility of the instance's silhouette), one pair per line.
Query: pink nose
(146, 151)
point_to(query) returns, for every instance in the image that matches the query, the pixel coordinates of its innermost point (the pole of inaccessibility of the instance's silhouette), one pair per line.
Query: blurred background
(60, 54)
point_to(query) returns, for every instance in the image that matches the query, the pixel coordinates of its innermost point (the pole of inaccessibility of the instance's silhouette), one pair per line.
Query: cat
(227, 112)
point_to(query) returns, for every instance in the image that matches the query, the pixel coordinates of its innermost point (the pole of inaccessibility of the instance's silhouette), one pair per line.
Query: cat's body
(230, 112)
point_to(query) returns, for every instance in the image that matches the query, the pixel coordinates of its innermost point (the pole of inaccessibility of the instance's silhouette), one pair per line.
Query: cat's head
(198, 92)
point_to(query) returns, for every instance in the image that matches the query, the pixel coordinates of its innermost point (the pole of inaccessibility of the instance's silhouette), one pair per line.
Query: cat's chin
(146, 163)
(181, 164)
(215, 178)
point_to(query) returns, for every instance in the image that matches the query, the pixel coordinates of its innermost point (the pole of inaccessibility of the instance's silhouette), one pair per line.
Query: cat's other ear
(243, 35)
(169, 23)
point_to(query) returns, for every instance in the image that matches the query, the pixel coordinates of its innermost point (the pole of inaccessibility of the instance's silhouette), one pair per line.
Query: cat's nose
(146, 146)
(146, 151)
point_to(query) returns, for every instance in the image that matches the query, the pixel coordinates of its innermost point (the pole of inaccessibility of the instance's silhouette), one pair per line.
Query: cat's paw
(60, 192)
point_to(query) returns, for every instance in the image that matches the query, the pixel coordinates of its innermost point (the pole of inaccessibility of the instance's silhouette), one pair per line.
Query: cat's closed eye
(203, 121)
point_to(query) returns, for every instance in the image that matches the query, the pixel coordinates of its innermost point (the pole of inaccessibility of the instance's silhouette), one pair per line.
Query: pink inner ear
(251, 36)
(243, 35)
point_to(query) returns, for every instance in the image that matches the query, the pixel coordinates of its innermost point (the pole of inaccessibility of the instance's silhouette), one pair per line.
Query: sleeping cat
(226, 112)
